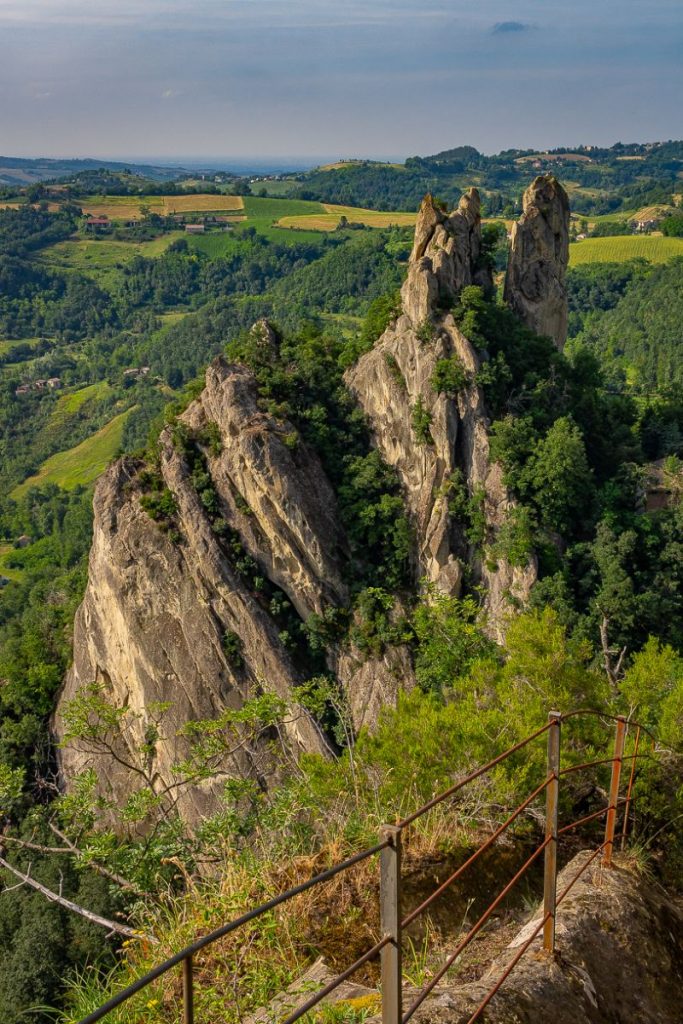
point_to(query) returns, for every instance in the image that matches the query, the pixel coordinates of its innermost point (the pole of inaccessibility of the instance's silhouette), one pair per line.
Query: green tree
(560, 479)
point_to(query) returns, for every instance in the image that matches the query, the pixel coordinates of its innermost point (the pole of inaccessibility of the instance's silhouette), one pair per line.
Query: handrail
(595, 713)
(472, 776)
(390, 845)
(477, 853)
(431, 985)
(225, 929)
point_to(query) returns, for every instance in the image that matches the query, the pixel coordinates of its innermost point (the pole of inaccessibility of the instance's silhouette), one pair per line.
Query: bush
(421, 420)
(450, 376)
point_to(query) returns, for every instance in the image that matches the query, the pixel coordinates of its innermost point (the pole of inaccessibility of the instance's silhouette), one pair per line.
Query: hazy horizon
(308, 77)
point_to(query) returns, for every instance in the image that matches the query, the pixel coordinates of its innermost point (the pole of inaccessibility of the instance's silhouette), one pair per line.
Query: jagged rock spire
(539, 252)
(445, 256)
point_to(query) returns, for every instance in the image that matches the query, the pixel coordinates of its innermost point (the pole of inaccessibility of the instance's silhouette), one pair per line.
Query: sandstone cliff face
(539, 252)
(156, 610)
(445, 256)
(162, 604)
(396, 377)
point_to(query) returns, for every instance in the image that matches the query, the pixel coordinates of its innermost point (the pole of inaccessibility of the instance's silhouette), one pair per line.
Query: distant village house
(97, 224)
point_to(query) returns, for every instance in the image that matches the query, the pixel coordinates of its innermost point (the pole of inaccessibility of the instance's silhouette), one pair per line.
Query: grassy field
(69, 404)
(265, 215)
(655, 248)
(132, 208)
(101, 258)
(329, 217)
(7, 344)
(12, 574)
(82, 464)
(215, 244)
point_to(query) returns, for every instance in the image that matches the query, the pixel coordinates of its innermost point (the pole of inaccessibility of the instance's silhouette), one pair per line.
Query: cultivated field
(655, 248)
(82, 464)
(69, 404)
(328, 220)
(132, 208)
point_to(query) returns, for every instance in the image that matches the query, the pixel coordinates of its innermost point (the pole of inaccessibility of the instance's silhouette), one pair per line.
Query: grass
(127, 208)
(69, 404)
(265, 215)
(8, 344)
(329, 218)
(11, 574)
(82, 464)
(620, 248)
(214, 245)
(102, 259)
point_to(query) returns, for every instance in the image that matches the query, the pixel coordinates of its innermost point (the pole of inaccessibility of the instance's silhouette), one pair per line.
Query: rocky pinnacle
(539, 252)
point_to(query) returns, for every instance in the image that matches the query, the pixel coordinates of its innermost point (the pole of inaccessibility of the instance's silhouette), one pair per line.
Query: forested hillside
(104, 346)
(602, 181)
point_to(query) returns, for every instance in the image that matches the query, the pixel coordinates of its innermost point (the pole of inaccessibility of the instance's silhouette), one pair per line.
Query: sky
(192, 79)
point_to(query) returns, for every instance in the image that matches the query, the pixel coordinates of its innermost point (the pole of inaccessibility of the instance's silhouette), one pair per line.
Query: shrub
(449, 376)
(421, 420)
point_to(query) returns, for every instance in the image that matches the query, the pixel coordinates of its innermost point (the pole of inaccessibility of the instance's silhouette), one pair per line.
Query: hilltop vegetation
(602, 181)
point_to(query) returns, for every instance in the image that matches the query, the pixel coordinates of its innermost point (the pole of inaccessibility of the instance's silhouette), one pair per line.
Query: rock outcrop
(187, 609)
(619, 958)
(159, 603)
(446, 256)
(396, 381)
(539, 252)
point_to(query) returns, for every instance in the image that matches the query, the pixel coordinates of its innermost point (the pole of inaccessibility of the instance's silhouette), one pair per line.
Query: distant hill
(16, 170)
(599, 181)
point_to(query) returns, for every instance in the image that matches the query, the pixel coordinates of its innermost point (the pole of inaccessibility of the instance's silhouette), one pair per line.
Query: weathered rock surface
(539, 252)
(155, 612)
(372, 683)
(619, 959)
(276, 496)
(390, 380)
(445, 257)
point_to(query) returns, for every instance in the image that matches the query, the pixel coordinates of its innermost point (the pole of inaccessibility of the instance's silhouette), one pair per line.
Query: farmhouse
(98, 224)
(642, 226)
(195, 229)
(23, 541)
(54, 382)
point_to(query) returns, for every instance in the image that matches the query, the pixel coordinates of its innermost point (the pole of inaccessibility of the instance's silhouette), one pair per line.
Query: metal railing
(392, 921)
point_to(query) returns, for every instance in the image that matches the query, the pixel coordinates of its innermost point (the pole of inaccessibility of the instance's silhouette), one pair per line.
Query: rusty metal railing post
(629, 791)
(390, 923)
(614, 790)
(188, 991)
(552, 798)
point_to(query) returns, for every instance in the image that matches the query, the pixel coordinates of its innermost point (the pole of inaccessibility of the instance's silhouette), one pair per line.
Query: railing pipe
(390, 923)
(188, 991)
(475, 856)
(335, 983)
(552, 799)
(226, 929)
(472, 776)
(614, 790)
(436, 978)
(629, 791)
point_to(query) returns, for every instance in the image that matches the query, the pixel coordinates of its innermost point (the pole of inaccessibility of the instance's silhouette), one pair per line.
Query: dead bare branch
(120, 929)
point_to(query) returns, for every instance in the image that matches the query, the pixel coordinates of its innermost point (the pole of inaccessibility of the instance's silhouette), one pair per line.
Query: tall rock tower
(539, 251)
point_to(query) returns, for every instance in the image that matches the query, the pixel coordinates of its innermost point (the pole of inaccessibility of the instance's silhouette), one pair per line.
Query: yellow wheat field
(128, 208)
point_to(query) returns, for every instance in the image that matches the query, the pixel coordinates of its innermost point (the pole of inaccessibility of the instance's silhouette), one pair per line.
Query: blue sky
(313, 78)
